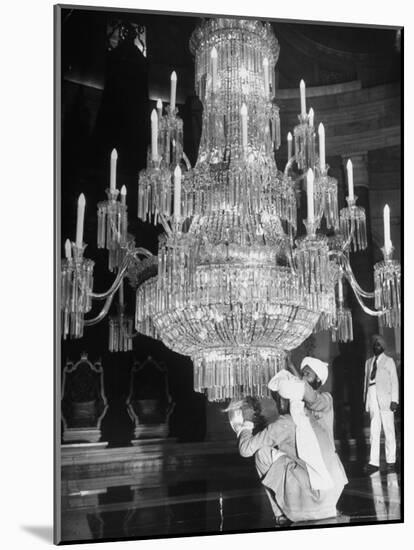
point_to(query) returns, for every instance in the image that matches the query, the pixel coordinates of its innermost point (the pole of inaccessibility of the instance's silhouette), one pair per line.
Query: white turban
(380, 339)
(320, 368)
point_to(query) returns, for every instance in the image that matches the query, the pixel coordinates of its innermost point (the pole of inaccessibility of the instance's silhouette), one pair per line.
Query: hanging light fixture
(76, 280)
(352, 218)
(234, 286)
(112, 220)
(387, 278)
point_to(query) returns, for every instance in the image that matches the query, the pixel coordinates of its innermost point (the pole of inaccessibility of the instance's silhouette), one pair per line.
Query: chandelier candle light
(177, 193)
(233, 286)
(302, 88)
(353, 219)
(76, 280)
(68, 249)
(112, 220)
(387, 277)
(325, 188)
(311, 117)
(304, 134)
(321, 133)
(159, 108)
(309, 194)
(289, 142)
(173, 90)
(154, 136)
(80, 220)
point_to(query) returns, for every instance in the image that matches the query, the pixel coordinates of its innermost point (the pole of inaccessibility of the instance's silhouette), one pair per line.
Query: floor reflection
(386, 496)
(225, 501)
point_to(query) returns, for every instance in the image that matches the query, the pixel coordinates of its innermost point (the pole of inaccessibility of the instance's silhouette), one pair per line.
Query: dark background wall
(353, 81)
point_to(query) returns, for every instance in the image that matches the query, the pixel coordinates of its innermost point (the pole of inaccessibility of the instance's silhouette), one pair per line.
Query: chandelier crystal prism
(236, 284)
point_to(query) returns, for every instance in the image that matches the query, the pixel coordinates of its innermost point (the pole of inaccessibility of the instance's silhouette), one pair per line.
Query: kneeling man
(294, 457)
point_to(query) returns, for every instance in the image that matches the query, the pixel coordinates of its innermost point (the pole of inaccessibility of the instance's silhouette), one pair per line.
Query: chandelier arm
(142, 251)
(353, 281)
(364, 308)
(187, 162)
(108, 296)
(115, 285)
(289, 164)
(103, 312)
(347, 243)
(342, 257)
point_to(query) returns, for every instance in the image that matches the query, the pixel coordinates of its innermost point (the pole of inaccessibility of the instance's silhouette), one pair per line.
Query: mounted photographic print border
(144, 447)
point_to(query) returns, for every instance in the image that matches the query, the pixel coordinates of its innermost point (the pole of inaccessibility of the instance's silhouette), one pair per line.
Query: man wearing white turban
(319, 404)
(294, 457)
(381, 401)
(314, 373)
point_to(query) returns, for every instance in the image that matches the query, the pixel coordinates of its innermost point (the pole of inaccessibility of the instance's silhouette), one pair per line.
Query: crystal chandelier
(235, 285)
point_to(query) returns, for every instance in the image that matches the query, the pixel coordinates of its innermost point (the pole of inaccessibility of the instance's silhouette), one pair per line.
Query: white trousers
(386, 420)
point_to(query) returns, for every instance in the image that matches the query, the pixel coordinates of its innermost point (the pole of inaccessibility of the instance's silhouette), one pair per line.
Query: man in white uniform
(381, 401)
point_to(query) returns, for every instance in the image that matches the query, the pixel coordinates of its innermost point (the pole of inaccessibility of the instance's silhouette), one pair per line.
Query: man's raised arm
(317, 401)
(271, 436)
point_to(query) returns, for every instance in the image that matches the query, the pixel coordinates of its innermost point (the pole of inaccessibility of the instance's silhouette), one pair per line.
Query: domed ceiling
(320, 54)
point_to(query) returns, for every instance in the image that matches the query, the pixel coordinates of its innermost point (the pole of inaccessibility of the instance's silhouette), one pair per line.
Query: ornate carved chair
(83, 401)
(149, 403)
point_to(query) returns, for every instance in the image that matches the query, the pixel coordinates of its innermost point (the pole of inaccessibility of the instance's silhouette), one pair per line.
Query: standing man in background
(381, 401)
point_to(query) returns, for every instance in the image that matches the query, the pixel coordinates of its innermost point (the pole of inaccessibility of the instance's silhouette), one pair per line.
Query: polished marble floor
(224, 497)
